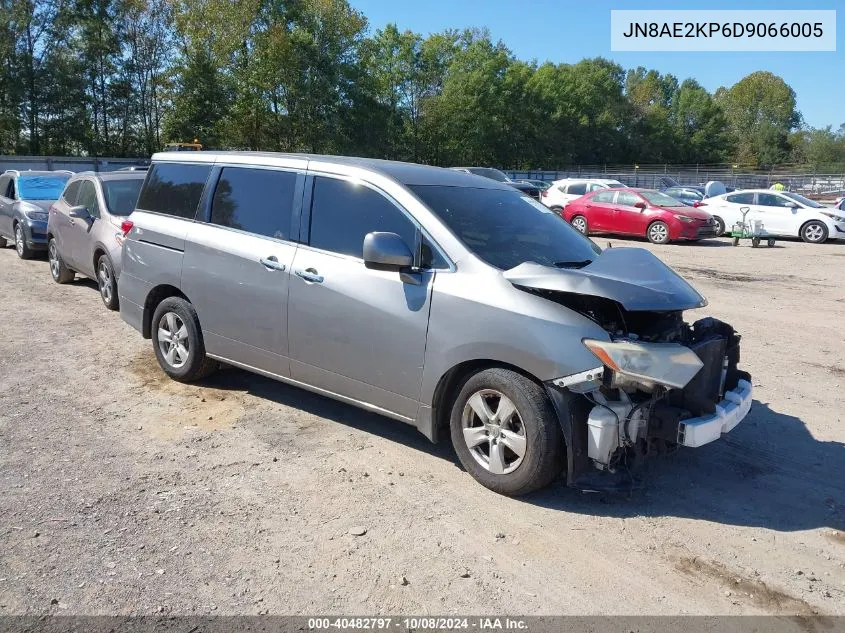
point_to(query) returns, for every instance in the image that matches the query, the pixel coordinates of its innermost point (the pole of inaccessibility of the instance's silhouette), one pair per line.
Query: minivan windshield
(489, 172)
(507, 228)
(41, 187)
(122, 195)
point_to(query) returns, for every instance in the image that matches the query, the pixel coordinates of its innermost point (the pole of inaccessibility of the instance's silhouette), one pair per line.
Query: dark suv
(25, 200)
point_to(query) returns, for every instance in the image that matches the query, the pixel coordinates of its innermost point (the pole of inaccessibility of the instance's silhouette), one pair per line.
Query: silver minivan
(444, 300)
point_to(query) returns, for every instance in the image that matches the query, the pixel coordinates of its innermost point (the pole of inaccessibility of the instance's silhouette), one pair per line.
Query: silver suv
(84, 229)
(447, 301)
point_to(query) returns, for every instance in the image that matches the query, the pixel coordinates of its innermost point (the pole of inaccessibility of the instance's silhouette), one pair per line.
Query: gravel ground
(126, 493)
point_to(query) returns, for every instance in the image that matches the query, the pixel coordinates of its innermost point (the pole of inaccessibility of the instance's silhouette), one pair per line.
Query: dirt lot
(123, 492)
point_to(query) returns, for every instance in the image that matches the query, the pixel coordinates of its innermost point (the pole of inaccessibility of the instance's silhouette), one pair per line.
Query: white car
(564, 191)
(782, 213)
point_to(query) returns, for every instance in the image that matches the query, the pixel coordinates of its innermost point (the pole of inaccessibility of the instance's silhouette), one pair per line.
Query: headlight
(833, 216)
(42, 216)
(685, 218)
(667, 364)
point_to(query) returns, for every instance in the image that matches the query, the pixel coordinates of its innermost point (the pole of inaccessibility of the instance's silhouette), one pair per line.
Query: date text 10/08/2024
(418, 623)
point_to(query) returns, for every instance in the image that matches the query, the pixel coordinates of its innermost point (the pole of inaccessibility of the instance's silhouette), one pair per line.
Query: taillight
(699, 203)
(544, 194)
(126, 226)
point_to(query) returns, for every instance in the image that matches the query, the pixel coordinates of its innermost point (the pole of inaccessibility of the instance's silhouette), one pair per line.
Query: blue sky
(567, 31)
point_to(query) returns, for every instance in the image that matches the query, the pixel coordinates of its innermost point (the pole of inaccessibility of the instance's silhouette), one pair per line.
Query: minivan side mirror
(80, 212)
(386, 250)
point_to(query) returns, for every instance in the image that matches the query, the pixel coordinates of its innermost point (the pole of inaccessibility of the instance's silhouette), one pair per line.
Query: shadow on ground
(769, 472)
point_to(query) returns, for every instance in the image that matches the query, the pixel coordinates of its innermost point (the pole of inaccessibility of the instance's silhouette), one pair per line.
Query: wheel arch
(154, 297)
(450, 384)
(99, 251)
(571, 410)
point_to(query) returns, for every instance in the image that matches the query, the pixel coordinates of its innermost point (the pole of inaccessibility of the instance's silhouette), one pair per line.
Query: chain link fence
(808, 183)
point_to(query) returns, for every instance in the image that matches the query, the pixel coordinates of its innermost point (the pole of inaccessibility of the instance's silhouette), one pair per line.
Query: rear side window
(741, 198)
(626, 198)
(342, 213)
(772, 200)
(577, 189)
(71, 191)
(174, 189)
(4, 186)
(604, 196)
(122, 195)
(255, 200)
(596, 186)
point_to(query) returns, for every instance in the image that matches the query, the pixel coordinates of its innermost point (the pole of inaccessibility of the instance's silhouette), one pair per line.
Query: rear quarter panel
(152, 255)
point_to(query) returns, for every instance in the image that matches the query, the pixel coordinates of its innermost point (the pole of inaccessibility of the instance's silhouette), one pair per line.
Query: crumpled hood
(631, 276)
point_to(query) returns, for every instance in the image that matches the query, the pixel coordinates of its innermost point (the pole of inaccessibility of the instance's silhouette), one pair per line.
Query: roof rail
(12, 171)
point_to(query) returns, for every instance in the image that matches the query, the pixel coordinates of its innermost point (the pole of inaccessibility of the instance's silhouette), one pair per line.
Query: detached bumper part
(729, 412)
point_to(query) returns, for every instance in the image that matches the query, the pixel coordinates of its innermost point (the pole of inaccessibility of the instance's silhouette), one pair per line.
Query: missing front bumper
(729, 412)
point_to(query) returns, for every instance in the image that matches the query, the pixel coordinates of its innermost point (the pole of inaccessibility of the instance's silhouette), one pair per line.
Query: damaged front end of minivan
(659, 382)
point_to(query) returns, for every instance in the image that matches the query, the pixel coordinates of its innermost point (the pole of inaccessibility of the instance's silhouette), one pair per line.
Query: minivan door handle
(309, 274)
(272, 263)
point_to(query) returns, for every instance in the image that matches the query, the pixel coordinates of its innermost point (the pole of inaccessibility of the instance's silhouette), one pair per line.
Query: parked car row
(447, 301)
(687, 213)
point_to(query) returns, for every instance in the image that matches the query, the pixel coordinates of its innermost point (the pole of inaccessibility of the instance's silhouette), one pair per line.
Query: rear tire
(3, 242)
(60, 273)
(24, 251)
(107, 282)
(579, 223)
(557, 209)
(487, 452)
(814, 232)
(720, 226)
(181, 354)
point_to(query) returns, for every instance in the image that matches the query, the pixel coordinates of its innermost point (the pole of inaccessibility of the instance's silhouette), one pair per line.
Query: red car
(643, 212)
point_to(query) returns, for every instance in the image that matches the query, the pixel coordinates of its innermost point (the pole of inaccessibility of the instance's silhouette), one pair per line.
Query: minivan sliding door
(237, 264)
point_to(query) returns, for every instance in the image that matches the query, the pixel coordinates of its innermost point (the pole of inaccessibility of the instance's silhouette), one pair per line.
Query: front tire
(658, 233)
(506, 432)
(814, 232)
(178, 343)
(107, 282)
(720, 225)
(60, 273)
(579, 223)
(24, 251)
(3, 242)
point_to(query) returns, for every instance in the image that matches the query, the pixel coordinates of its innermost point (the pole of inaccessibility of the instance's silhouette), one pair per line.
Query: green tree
(200, 101)
(699, 126)
(761, 112)
(651, 97)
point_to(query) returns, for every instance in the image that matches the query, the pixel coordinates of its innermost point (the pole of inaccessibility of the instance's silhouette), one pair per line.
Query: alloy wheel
(104, 277)
(19, 244)
(493, 431)
(579, 224)
(173, 340)
(814, 232)
(53, 254)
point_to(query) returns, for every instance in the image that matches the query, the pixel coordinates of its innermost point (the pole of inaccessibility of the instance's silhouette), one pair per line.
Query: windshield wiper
(580, 264)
